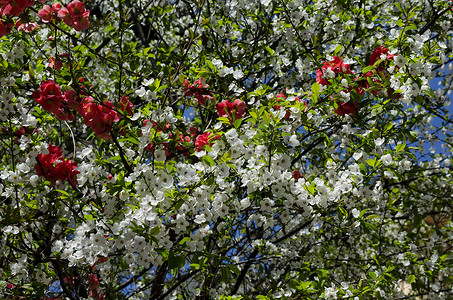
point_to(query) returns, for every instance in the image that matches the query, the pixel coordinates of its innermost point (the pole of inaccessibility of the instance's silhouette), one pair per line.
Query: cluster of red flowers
(50, 97)
(207, 138)
(100, 117)
(232, 111)
(198, 90)
(331, 69)
(13, 8)
(94, 287)
(75, 14)
(378, 53)
(52, 170)
(178, 139)
(176, 146)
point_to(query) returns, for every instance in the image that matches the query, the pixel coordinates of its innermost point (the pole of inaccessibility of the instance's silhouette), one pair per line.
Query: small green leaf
(400, 147)
(367, 69)
(208, 160)
(371, 162)
(343, 212)
(411, 278)
(372, 217)
(238, 123)
(315, 87)
(271, 51)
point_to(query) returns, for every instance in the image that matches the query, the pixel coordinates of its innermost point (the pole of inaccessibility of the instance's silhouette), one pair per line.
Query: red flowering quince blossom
(13, 8)
(75, 15)
(207, 138)
(126, 105)
(46, 14)
(379, 53)
(27, 26)
(5, 28)
(231, 110)
(346, 108)
(53, 167)
(100, 117)
(296, 175)
(56, 63)
(198, 90)
(329, 70)
(50, 97)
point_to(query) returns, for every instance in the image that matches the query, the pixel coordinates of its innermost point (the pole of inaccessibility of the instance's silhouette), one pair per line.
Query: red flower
(224, 108)
(198, 90)
(49, 96)
(63, 170)
(232, 111)
(337, 66)
(376, 55)
(64, 14)
(76, 8)
(56, 7)
(206, 138)
(296, 175)
(346, 108)
(100, 117)
(56, 63)
(288, 112)
(27, 27)
(81, 22)
(126, 105)
(13, 8)
(75, 15)
(5, 29)
(46, 14)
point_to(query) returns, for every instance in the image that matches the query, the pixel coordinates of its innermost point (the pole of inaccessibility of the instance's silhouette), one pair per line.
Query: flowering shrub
(225, 149)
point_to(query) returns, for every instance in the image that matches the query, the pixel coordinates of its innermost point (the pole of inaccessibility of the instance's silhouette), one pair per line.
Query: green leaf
(63, 192)
(367, 69)
(208, 160)
(154, 231)
(315, 87)
(372, 217)
(363, 212)
(412, 137)
(175, 261)
(271, 51)
(234, 269)
(238, 123)
(411, 278)
(400, 147)
(337, 49)
(371, 162)
(181, 78)
(343, 212)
